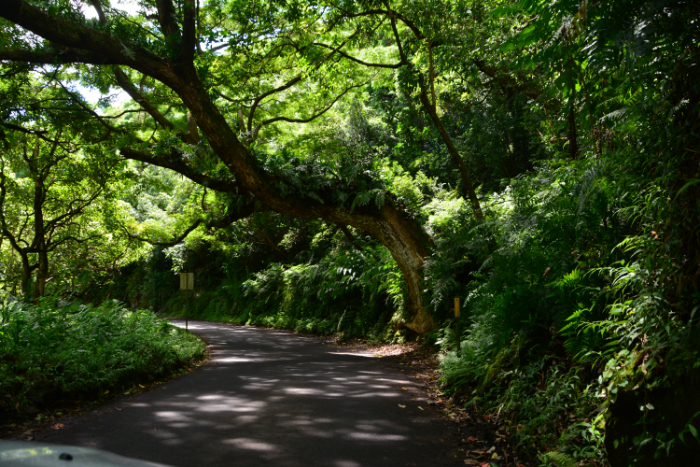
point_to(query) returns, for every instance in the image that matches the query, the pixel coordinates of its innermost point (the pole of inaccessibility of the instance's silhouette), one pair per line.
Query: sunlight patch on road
(241, 360)
(346, 463)
(374, 394)
(376, 437)
(353, 354)
(307, 392)
(251, 444)
(172, 415)
(397, 381)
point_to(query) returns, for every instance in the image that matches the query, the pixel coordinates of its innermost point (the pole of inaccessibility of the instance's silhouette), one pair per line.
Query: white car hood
(23, 454)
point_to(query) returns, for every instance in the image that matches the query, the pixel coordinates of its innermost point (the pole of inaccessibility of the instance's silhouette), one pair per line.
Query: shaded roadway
(272, 398)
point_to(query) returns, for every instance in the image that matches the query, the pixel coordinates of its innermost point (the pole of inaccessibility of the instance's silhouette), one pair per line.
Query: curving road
(270, 398)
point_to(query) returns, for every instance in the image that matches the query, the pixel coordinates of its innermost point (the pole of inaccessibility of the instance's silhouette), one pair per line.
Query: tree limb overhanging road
(269, 398)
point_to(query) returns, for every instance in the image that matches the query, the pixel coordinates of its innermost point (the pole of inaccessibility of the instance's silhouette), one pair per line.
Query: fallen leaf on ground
(58, 426)
(117, 408)
(421, 408)
(471, 461)
(471, 439)
(402, 406)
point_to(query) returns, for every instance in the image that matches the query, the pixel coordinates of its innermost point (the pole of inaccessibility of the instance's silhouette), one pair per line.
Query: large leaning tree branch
(173, 66)
(80, 39)
(55, 56)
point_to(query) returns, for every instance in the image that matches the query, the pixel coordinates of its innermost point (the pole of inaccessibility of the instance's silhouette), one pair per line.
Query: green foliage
(347, 292)
(561, 460)
(55, 351)
(577, 121)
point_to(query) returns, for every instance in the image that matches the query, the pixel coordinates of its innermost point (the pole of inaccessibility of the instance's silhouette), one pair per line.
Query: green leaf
(694, 432)
(686, 186)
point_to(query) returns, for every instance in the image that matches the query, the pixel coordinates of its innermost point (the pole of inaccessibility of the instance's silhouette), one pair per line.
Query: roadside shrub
(51, 352)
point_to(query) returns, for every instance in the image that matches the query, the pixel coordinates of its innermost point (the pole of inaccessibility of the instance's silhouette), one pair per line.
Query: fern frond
(561, 459)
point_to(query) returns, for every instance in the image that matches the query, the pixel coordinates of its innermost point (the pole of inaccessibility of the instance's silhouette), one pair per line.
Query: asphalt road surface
(270, 398)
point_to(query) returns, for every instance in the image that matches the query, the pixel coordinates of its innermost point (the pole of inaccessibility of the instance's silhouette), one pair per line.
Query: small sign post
(457, 327)
(186, 284)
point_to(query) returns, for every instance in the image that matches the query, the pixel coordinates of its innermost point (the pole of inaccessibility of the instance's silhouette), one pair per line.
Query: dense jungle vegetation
(351, 167)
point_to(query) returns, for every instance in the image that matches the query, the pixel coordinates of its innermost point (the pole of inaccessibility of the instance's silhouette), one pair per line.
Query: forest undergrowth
(58, 354)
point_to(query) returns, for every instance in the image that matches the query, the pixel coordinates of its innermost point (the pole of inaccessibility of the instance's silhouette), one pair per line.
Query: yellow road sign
(186, 281)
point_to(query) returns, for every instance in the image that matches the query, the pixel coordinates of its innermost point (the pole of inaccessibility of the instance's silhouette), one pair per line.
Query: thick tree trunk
(407, 243)
(42, 274)
(409, 251)
(39, 242)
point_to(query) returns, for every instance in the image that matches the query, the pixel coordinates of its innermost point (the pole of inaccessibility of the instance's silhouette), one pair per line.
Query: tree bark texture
(42, 275)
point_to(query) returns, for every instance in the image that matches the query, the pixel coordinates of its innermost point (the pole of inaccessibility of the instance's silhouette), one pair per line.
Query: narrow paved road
(270, 398)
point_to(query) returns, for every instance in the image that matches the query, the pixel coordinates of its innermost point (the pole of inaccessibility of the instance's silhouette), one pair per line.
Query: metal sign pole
(187, 284)
(457, 322)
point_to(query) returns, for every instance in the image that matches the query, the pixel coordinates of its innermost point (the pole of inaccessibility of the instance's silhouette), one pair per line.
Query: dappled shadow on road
(272, 398)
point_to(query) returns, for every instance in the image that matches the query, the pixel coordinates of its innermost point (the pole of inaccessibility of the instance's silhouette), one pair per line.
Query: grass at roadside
(53, 355)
